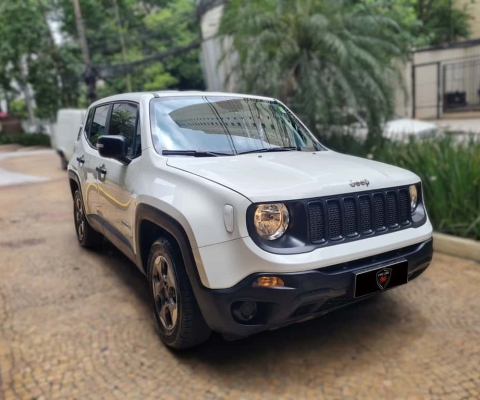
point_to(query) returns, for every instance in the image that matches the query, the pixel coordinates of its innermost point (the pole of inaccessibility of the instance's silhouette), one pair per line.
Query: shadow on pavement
(378, 327)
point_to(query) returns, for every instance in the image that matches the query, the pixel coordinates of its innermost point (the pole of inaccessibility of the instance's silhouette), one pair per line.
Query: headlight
(271, 220)
(413, 197)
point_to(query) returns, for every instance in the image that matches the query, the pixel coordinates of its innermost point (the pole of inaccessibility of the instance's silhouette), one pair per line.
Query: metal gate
(461, 86)
(426, 90)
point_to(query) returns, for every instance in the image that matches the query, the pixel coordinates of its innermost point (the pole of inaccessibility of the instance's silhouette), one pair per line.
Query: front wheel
(178, 319)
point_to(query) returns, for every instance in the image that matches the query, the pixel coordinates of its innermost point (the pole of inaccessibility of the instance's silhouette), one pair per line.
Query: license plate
(381, 278)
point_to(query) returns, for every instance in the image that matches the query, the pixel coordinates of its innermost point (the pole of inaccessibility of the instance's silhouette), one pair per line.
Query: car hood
(294, 175)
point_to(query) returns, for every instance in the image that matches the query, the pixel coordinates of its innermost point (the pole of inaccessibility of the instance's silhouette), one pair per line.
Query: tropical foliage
(427, 22)
(327, 59)
(26, 139)
(47, 55)
(27, 56)
(450, 174)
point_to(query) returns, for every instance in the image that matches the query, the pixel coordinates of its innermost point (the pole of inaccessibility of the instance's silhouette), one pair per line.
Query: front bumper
(306, 294)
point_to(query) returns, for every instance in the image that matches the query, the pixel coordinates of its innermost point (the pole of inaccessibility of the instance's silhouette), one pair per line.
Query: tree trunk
(57, 61)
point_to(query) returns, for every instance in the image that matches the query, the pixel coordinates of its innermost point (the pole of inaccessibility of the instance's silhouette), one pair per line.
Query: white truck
(65, 132)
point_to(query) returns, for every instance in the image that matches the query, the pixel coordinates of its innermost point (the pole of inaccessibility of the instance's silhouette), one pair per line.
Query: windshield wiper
(193, 153)
(269, 149)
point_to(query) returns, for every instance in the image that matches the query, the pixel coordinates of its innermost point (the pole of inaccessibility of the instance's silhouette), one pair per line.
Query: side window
(124, 122)
(97, 127)
(87, 123)
(138, 139)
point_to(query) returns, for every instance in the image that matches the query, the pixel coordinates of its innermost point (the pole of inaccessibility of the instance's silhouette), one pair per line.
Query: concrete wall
(218, 72)
(403, 98)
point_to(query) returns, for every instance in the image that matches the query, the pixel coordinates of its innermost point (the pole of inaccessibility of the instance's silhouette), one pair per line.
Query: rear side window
(97, 127)
(88, 122)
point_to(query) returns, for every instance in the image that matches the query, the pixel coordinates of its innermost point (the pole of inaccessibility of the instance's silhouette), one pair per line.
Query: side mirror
(113, 146)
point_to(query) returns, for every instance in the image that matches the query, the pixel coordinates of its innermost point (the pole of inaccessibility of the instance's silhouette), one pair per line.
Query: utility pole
(122, 44)
(90, 75)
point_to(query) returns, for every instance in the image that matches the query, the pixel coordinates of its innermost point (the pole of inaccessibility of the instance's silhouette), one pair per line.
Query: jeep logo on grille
(359, 183)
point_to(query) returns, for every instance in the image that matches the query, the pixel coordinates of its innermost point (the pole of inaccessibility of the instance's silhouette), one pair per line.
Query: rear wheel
(86, 235)
(178, 319)
(63, 162)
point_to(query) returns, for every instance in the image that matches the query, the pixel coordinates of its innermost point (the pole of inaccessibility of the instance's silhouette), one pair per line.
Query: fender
(203, 295)
(94, 221)
(72, 175)
(175, 229)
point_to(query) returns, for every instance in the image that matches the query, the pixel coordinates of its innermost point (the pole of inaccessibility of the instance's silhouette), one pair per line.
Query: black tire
(63, 162)
(86, 235)
(189, 328)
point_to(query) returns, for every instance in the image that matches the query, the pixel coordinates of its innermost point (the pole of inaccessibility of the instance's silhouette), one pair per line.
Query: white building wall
(217, 68)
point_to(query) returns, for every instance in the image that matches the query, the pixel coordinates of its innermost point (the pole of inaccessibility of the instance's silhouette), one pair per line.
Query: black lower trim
(148, 213)
(305, 295)
(96, 222)
(118, 240)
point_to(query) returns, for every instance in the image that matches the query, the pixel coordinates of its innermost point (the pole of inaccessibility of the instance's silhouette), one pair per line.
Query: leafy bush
(344, 142)
(18, 108)
(450, 173)
(26, 139)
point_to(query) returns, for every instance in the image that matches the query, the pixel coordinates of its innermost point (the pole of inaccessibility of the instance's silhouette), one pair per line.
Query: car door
(116, 180)
(87, 157)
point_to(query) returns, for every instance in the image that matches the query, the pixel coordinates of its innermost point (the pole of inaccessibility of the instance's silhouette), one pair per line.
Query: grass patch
(26, 139)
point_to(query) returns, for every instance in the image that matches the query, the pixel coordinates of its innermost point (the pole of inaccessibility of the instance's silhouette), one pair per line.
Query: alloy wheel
(165, 292)
(79, 218)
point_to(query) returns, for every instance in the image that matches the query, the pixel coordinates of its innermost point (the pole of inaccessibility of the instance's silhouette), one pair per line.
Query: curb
(456, 246)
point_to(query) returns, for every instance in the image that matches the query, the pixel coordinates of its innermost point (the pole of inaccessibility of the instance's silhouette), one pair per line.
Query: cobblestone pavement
(76, 324)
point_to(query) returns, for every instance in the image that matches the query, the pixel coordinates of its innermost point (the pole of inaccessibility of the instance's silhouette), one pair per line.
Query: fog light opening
(245, 311)
(268, 281)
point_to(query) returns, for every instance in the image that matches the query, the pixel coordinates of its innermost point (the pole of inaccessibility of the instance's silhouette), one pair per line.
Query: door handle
(81, 159)
(102, 170)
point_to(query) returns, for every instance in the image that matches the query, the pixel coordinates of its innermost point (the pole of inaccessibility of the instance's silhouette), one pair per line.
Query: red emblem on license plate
(383, 277)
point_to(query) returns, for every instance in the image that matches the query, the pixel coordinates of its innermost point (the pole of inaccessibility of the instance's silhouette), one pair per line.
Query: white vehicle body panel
(228, 263)
(293, 175)
(195, 191)
(65, 131)
(399, 129)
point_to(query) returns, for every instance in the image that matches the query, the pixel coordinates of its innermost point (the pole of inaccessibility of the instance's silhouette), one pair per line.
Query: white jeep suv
(240, 219)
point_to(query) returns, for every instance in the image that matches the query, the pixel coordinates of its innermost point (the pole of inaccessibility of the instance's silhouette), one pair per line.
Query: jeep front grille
(349, 216)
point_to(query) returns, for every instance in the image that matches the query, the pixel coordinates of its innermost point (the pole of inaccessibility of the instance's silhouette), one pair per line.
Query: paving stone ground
(75, 324)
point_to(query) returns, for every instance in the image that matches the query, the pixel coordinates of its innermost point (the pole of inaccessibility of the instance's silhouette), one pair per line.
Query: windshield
(226, 125)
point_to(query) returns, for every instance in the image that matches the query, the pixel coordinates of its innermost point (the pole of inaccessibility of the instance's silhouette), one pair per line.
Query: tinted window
(97, 128)
(87, 123)
(225, 124)
(124, 122)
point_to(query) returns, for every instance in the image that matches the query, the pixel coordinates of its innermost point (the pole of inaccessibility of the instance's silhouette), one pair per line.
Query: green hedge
(450, 172)
(26, 139)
